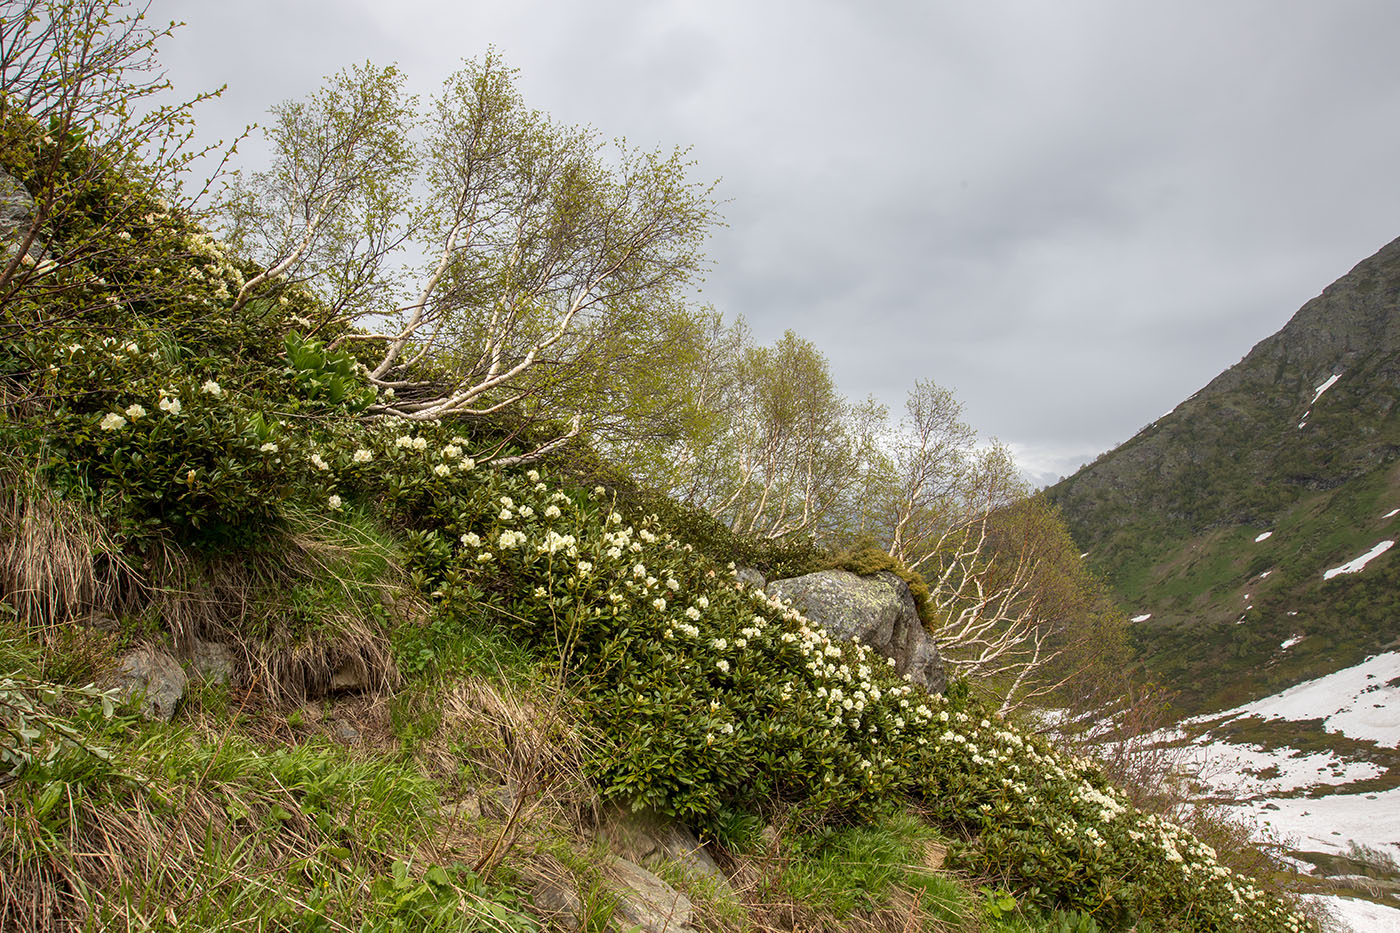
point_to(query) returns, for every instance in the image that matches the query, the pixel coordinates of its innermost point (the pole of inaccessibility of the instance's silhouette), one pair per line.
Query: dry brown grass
(58, 564)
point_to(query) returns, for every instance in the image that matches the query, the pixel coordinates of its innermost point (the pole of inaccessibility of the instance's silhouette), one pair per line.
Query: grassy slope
(505, 679)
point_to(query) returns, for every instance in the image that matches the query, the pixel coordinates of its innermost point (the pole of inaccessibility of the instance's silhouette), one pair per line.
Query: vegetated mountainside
(1298, 441)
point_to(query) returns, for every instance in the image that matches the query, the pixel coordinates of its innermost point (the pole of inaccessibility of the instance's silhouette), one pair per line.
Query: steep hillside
(1217, 523)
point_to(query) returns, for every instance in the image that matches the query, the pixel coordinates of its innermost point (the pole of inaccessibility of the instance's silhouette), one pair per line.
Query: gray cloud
(1074, 213)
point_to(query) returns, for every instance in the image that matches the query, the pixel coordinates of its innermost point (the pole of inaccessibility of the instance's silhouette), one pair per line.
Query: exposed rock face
(214, 661)
(1262, 422)
(877, 611)
(154, 676)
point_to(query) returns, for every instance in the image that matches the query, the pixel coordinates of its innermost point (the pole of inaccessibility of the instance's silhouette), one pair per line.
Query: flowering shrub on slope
(713, 695)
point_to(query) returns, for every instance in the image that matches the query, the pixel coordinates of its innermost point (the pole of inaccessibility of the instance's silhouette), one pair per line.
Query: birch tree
(787, 450)
(1004, 601)
(522, 251)
(334, 205)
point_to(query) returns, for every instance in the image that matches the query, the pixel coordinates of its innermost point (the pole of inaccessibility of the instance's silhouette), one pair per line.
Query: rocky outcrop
(16, 211)
(649, 840)
(877, 611)
(750, 577)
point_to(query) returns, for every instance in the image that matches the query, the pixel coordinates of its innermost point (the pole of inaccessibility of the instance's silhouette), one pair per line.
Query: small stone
(559, 900)
(350, 677)
(213, 661)
(344, 733)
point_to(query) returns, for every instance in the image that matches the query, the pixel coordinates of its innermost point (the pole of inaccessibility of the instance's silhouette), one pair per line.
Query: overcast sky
(1072, 213)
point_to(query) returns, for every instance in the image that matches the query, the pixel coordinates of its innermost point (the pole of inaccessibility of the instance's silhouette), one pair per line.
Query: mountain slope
(1216, 524)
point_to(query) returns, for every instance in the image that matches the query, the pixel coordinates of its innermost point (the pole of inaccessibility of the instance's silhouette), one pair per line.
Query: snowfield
(1246, 771)
(1362, 916)
(1362, 702)
(1330, 824)
(1265, 787)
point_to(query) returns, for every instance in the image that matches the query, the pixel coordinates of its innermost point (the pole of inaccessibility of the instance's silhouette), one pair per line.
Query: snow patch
(1361, 702)
(1291, 641)
(1331, 381)
(1142, 618)
(1265, 574)
(1328, 824)
(1356, 565)
(1359, 916)
(1234, 771)
(1391, 514)
(1264, 537)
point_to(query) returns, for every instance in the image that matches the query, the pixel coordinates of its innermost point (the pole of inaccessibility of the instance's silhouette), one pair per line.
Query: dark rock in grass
(877, 611)
(558, 901)
(214, 661)
(344, 733)
(155, 677)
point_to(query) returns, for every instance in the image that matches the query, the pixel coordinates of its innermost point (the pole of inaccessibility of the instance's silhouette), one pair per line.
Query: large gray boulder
(877, 611)
(648, 840)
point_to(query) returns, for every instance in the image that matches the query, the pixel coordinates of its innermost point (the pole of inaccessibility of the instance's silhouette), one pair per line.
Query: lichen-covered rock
(877, 611)
(750, 577)
(214, 661)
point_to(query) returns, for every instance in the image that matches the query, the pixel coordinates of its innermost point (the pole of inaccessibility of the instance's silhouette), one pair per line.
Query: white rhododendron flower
(211, 387)
(111, 421)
